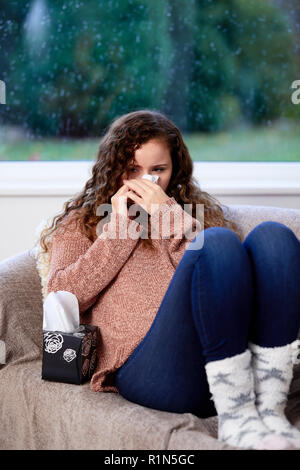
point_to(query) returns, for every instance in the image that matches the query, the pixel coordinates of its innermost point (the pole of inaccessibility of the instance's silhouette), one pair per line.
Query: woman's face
(152, 158)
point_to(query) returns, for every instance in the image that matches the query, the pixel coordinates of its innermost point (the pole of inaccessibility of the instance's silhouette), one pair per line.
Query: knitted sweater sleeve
(175, 226)
(85, 268)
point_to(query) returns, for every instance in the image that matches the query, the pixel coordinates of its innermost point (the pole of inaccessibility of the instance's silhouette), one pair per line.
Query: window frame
(65, 178)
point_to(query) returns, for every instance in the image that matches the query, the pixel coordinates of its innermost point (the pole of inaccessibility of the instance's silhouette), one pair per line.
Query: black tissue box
(70, 357)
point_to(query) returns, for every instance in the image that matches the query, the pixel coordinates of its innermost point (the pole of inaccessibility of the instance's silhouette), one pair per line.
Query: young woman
(207, 328)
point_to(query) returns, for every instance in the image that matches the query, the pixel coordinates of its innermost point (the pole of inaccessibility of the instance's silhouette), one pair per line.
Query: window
(224, 72)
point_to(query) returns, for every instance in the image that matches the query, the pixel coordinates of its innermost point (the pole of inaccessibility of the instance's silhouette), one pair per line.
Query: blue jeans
(220, 297)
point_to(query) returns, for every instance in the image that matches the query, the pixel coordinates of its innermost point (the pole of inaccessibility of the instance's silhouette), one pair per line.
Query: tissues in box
(69, 349)
(70, 357)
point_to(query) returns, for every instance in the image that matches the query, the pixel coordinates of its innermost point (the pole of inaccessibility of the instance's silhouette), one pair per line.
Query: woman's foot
(273, 373)
(232, 387)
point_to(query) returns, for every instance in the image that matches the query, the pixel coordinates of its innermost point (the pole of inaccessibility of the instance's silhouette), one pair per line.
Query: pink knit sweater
(119, 284)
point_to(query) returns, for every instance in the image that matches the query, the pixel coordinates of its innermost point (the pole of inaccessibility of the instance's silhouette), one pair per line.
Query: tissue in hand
(153, 178)
(69, 349)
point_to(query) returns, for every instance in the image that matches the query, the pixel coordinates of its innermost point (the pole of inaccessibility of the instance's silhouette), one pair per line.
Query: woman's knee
(273, 238)
(223, 257)
(221, 243)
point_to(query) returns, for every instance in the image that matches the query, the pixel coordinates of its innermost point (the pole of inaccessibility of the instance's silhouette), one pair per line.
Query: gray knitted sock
(273, 373)
(232, 387)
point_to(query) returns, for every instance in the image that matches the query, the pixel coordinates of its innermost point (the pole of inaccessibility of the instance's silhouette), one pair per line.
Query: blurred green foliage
(209, 65)
(258, 144)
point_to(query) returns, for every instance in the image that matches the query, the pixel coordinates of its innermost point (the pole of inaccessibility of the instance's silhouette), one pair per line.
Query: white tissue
(153, 178)
(61, 312)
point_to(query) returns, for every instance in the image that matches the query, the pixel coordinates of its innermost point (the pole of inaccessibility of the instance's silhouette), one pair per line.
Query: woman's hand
(119, 200)
(145, 193)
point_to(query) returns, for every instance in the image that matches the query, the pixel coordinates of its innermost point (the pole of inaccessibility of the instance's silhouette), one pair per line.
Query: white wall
(34, 191)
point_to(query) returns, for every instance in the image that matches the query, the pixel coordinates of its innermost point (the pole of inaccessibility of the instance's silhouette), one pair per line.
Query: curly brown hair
(115, 155)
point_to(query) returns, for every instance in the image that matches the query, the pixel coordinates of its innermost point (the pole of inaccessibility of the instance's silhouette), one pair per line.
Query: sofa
(40, 415)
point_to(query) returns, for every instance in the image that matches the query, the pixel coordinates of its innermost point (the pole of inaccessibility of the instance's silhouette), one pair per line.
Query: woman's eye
(155, 169)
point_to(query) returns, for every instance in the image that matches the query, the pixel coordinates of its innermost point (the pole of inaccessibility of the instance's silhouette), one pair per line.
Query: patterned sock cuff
(291, 348)
(229, 362)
